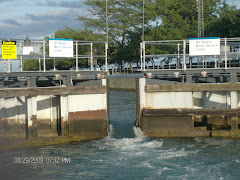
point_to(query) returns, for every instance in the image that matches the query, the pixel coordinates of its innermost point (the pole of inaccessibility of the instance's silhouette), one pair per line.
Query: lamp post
(200, 18)
(143, 44)
(106, 44)
(143, 21)
(107, 19)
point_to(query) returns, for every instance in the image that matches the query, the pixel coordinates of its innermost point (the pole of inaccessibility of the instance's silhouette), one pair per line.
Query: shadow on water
(122, 112)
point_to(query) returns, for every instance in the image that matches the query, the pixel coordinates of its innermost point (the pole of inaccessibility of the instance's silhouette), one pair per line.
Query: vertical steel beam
(77, 56)
(178, 58)
(5, 69)
(21, 58)
(91, 58)
(39, 63)
(106, 58)
(141, 54)
(184, 55)
(44, 57)
(9, 65)
(200, 18)
(226, 55)
(144, 58)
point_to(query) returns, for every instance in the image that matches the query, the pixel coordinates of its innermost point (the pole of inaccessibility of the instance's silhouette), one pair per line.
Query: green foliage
(228, 23)
(124, 25)
(179, 20)
(164, 20)
(30, 65)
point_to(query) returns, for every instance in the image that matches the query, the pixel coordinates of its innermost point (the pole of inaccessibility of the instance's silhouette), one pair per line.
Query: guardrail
(38, 50)
(181, 59)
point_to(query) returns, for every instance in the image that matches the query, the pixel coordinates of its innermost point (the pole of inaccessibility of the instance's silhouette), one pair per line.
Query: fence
(33, 49)
(179, 57)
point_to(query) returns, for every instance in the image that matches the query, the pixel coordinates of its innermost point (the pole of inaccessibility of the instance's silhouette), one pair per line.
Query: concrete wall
(14, 111)
(86, 114)
(173, 110)
(81, 111)
(122, 83)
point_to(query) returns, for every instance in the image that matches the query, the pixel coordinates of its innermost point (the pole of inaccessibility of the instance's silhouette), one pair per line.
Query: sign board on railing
(9, 50)
(60, 48)
(204, 46)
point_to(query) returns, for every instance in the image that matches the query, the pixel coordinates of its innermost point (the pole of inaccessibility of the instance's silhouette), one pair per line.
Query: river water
(127, 154)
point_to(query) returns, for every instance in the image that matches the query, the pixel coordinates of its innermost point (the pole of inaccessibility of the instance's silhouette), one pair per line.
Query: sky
(39, 18)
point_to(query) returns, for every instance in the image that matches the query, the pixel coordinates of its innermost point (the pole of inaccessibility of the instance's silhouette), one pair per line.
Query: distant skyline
(37, 19)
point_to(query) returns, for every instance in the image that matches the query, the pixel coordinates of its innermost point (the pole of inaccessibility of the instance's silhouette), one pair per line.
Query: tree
(164, 20)
(178, 19)
(30, 65)
(83, 35)
(227, 24)
(124, 20)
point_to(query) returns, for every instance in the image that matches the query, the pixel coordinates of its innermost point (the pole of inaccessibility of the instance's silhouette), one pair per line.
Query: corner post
(141, 99)
(144, 55)
(184, 55)
(77, 56)
(106, 57)
(234, 105)
(226, 55)
(32, 117)
(64, 115)
(44, 57)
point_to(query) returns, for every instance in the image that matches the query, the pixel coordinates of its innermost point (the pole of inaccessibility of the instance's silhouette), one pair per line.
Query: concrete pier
(187, 110)
(45, 112)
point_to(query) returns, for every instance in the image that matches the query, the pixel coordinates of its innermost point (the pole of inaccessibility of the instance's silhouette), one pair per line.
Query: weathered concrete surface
(123, 83)
(170, 126)
(17, 92)
(53, 111)
(87, 115)
(193, 87)
(185, 122)
(190, 112)
(88, 123)
(228, 134)
(163, 110)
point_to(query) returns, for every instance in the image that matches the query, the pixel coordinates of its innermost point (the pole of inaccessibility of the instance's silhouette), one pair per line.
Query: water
(127, 154)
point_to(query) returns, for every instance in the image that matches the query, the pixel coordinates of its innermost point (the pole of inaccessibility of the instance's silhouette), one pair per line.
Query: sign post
(9, 51)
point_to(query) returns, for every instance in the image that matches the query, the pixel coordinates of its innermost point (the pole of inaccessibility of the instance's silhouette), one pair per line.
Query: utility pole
(107, 19)
(143, 21)
(106, 44)
(200, 18)
(142, 56)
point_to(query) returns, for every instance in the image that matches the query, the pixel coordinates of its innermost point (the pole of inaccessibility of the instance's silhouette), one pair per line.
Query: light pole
(107, 19)
(143, 44)
(106, 44)
(200, 18)
(143, 21)
(54, 59)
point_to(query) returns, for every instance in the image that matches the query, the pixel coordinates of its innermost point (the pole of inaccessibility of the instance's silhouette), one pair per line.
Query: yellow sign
(9, 50)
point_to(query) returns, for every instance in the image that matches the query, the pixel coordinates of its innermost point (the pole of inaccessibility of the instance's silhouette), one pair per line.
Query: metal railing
(38, 50)
(229, 56)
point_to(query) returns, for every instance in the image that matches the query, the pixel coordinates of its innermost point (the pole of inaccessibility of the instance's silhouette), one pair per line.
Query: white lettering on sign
(60, 48)
(204, 46)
